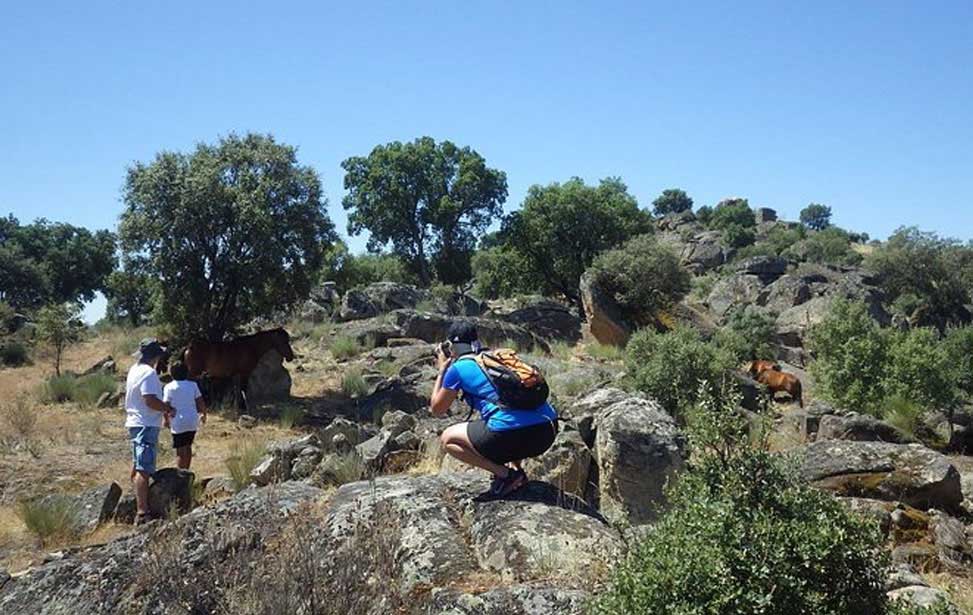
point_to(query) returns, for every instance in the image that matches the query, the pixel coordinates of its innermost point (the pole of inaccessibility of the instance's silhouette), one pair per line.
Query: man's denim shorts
(144, 443)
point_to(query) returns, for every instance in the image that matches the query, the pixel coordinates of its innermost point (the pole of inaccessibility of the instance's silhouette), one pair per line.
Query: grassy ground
(71, 448)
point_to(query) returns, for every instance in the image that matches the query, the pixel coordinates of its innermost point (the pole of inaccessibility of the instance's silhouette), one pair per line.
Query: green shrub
(737, 236)
(50, 519)
(561, 350)
(830, 246)
(851, 352)
(502, 271)
(60, 389)
(704, 215)
(89, 389)
(353, 383)
(344, 348)
(249, 454)
(13, 354)
(742, 536)
(643, 276)
(736, 220)
(959, 346)
(919, 369)
(702, 285)
(748, 335)
(903, 414)
(670, 366)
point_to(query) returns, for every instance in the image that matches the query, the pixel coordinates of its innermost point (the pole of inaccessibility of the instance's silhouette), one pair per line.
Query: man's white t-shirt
(182, 396)
(142, 380)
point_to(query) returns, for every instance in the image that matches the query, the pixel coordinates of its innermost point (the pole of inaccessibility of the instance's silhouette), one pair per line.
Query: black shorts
(185, 438)
(512, 445)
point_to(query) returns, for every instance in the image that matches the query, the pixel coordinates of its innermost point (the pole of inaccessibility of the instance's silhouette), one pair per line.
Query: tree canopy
(430, 201)
(672, 201)
(52, 262)
(561, 228)
(816, 217)
(231, 231)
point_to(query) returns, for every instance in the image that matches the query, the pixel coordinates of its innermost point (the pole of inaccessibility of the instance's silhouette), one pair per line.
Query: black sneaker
(502, 487)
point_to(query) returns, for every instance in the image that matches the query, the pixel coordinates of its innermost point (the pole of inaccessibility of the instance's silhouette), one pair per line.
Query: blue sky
(863, 106)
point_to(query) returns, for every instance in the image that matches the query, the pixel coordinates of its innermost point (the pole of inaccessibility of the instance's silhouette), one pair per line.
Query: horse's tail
(799, 390)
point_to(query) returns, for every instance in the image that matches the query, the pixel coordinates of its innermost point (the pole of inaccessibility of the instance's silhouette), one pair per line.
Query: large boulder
(171, 491)
(734, 291)
(638, 448)
(863, 427)
(908, 473)
(270, 380)
(784, 293)
(705, 251)
(356, 305)
(433, 327)
(388, 296)
(322, 303)
(549, 319)
(604, 318)
(565, 465)
(767, 268)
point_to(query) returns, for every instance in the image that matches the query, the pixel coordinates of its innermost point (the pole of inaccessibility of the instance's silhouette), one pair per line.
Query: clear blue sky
(864, 106)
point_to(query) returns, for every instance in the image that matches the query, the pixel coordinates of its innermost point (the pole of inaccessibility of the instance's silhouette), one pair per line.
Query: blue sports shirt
(465, 374)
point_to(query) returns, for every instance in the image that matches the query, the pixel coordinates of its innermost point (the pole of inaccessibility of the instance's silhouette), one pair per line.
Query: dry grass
(959, 588)
(605, 352)
(244, 460)
(431, 459)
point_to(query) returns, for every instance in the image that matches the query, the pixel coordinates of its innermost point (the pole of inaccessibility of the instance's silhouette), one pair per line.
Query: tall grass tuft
(606, 352)
(51, 519)
(246, 459)
(13, 354)
(344, 348)
(561, 350)
(903, 414)
(84, 390)
(290, 416)
(353, 383)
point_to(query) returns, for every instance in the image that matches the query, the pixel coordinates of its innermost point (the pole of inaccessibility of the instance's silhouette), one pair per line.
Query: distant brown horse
(780, 381)
(756, 367)
(237, 358)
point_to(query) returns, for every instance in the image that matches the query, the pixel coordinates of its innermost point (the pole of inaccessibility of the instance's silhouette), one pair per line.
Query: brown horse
(236, 358)
(780, 381)
(756, 367)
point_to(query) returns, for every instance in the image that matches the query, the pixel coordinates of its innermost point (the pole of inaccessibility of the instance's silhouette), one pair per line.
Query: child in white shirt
(190, 410)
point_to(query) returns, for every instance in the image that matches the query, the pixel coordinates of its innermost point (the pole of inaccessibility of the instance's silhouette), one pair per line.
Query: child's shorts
(185, 438)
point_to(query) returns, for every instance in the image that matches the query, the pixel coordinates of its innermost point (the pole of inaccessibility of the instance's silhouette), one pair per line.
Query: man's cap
(462, 332)
(149, 348)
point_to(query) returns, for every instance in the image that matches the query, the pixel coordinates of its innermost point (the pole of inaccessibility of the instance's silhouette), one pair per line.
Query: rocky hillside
(361, 512)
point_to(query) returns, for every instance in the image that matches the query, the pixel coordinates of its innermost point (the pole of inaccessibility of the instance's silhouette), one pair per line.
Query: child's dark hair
(179, 371)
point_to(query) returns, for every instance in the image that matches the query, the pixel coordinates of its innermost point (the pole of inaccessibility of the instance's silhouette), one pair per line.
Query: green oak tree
(672, 201)
(561, 228)
(429, 201)
(816, 217)
(230, 231)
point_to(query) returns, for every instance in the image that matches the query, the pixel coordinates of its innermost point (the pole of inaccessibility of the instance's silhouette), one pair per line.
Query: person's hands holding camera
(442, 358)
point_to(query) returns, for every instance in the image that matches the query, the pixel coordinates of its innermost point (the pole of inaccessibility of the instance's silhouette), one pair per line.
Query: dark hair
(462, 331)
(179, 371)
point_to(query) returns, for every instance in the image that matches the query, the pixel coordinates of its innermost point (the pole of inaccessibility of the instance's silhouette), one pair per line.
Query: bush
(670, 366)
(240, 465)
(859, 365)
(83, 390)
(830, 246)
(89, 389)
(344, 348)
(737, 236)
(919, 369)
(13, 354)
(733, 212)
(748, 335)
(605, 352)
(704, 215)
(502, 271)
(850, 357)
(816, 216)
(643, 276)
(50, 519)
(743, 536)
(959, 346)
(903, 414)
(290, 416)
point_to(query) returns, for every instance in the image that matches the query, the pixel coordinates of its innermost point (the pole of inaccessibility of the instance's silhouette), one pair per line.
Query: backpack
(519, 385)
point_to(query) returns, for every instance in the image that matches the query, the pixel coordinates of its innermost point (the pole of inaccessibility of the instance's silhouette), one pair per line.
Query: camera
(445, 347)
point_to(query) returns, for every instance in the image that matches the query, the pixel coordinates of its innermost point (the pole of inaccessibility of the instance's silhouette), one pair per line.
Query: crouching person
(515, 420)
(186, 400)
(145, 412)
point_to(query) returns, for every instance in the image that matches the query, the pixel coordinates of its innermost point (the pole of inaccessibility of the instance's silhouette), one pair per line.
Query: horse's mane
(244, 338)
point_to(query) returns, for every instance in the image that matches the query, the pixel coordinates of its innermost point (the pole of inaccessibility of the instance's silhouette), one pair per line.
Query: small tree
(959, 345)
(58, 326)
(672, 201)
(816, 217)
(736, 220)
(748, 335)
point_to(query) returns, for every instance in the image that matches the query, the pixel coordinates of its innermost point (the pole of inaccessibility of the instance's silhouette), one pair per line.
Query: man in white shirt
(145, 413)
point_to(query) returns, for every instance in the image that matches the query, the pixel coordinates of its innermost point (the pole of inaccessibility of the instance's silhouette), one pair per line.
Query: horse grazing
(780, 381)
(236, 358)
(756, 367)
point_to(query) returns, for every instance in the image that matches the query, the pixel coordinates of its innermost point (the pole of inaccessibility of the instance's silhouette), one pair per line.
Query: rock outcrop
(604, 319)
(908, 473)
(270, 380)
